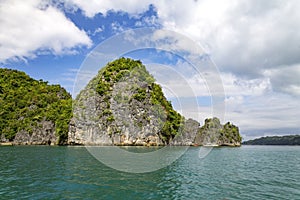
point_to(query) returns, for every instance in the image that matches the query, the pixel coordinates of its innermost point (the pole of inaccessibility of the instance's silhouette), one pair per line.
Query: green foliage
(125, 67)
(174, 120)
(215, 131)
(110, 118)
(140, 95)
(107, 112)
(24, 102)
(116, 70)
(112, 73)
(231, 132)
(103, 87)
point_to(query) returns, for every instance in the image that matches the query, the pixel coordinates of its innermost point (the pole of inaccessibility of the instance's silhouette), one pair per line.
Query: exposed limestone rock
(3, 139)
(213, 133)
(187, 134)
(43, 134)
(123, 106)
(123, 116)
(28, 105)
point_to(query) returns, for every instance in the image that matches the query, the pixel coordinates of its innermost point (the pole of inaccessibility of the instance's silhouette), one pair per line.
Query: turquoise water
(249, 172)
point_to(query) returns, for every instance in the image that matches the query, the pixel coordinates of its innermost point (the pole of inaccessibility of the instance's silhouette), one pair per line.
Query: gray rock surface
(42, 134)
(116, 119)
(187, 134)
(122, 113)
(216, 134)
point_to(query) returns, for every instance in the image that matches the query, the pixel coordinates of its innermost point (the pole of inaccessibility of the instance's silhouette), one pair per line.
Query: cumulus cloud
(236, 86)
(255, 105)
(91, 8)
(242, 36)
(187, 82)
(270, 111)
(254, 43)
(28, 26)
(285, 79)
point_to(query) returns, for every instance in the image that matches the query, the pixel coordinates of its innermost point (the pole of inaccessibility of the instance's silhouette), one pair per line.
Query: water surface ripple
(249, 172)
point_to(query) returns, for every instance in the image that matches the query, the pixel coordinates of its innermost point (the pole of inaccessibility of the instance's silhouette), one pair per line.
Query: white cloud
(117, 27)
(238, 86)
(251, 104)
(28, 26)
(91, 8)
(285, 79)
(254, 43)
(269, 111)
(242, 36)
(98, 30)
(187, 82)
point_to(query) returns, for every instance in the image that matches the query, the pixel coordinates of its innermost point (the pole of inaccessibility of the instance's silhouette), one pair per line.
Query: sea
(70, 172)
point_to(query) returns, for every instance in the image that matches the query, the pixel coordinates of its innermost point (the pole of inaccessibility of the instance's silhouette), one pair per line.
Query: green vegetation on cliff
(25, 103)
(213, 132)
(124, 67)
(174, 120)
(275, 140)
(127, 84)
(121, 105)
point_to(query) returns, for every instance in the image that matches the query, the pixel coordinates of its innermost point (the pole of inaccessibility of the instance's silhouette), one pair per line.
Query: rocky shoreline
(139, 145)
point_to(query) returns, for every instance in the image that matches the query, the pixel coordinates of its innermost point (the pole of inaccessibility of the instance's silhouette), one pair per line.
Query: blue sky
(61, 68)
(254, 44)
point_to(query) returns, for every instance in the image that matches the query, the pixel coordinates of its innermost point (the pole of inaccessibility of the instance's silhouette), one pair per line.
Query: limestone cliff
(215, 134)
(43, 134)
(188, 133)
(123, 105)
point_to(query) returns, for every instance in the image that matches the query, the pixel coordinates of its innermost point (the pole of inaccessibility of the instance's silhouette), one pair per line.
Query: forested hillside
(26, 104)
(275, 140)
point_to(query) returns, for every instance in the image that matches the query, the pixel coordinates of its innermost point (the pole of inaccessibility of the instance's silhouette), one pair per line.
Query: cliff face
(31, 111)
(123, 106)
(216, 134)
(43, 134)
(186, 137)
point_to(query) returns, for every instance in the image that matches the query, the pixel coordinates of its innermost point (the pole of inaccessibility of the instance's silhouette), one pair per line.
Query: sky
(254, 44)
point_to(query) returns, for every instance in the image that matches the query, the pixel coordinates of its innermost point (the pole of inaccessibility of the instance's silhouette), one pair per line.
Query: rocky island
(121, 105)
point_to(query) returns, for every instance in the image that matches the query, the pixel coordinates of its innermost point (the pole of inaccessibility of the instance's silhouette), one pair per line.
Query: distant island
(121, 105)
(275, 140)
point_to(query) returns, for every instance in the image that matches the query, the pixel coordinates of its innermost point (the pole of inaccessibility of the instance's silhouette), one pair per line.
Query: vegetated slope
(31, 111)
(213, 132)
(275, 140)
(123, 105)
